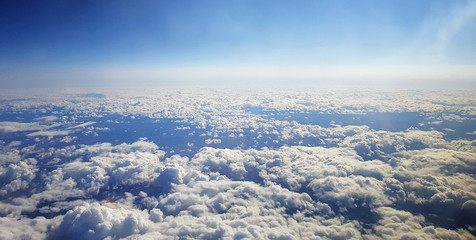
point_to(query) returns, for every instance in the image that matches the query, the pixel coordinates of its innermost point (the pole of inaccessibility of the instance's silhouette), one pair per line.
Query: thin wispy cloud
(439, 30)
(458, 18)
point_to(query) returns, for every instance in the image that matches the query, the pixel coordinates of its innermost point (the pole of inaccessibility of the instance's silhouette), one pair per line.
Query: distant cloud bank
(415, 76)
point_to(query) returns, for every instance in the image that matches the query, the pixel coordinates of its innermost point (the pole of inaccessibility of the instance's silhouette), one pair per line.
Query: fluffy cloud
(103, 166)
(260, 177)
(96, 221)
(17, 176)
(232, 209)
(397, 224)
(16, 173)
(25, 228)
(330, 175)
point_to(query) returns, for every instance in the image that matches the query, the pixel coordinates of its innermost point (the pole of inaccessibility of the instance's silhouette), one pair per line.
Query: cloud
(16, 172)
(350, 192)
(83, 125)
(47, 118)
(212, 141)
(25, 228)
(49, 133)
(95, 221)
(440, 180)
(18, 127)
(105, 167)
(439, 29)
(17, 176)
(404, 225)
(234, 209)
(373, 144)
(38, 128)
(459, 16)
(257, 182)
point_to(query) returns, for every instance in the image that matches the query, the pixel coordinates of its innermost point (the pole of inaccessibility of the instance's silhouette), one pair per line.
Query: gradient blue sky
(62, 43)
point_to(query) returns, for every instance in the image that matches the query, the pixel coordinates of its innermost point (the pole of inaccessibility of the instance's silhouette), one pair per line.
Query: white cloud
(96, 221)
(25, 228)
(212, 141)
(17, 126)
(17, 176)
(364, 183)
(49, 133)
(82, 125)
(404, 225)
(105, 166)
(47, 118)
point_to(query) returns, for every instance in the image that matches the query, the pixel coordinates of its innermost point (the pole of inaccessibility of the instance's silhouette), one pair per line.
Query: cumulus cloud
(95, 221)
(16, 172)
(17, 176)
(231, 209)
(25, 228)
(397, 224)
(104, 167)
(246, 174)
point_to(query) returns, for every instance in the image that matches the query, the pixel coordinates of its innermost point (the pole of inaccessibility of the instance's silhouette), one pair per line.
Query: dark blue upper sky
(44, 42)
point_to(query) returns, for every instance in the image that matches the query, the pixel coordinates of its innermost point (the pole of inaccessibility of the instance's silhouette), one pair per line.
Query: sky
(226, 43)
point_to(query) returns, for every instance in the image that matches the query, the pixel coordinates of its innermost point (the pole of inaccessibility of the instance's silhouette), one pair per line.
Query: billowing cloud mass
(222, 164)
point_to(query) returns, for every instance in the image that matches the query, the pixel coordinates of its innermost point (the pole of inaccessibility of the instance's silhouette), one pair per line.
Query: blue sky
(155, 43)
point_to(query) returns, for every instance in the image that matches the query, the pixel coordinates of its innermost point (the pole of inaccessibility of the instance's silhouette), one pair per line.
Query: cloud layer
(238, 165)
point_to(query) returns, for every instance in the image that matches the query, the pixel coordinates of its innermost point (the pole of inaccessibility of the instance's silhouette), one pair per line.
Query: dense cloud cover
(211, 164)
